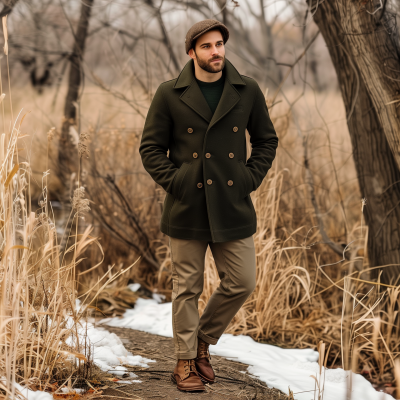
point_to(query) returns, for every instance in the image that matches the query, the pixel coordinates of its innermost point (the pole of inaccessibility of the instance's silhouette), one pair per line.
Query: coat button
(199, 185)
(231, 155)
(230, 183)
(209, 182)
(235, 129)
(190, 130)
(208, 155)
(195, 155)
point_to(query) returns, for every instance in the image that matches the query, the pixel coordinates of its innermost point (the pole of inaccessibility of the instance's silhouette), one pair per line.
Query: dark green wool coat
(206, 177)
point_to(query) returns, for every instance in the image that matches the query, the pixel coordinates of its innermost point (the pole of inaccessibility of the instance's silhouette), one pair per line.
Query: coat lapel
(193, 97)
(229, 98)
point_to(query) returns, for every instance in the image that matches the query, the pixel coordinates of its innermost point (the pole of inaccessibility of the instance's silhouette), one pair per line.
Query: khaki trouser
(236, 265)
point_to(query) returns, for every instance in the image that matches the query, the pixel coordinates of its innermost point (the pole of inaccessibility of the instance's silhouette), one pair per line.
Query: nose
(215, 50)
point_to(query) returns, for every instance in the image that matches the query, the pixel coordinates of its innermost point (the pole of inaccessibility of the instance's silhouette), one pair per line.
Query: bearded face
(209, 52)
(213, 65)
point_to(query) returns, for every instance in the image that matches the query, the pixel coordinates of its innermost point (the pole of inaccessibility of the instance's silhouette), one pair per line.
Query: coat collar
(193, 97)
(186, 76)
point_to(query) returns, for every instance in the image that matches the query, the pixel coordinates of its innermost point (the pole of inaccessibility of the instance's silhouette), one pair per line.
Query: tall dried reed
(40, 319)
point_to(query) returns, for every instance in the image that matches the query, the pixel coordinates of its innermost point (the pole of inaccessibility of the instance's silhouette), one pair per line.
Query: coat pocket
(248, 182)
(179, 177)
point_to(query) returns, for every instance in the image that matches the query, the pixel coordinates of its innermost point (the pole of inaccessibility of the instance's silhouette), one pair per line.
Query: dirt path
(156, 382)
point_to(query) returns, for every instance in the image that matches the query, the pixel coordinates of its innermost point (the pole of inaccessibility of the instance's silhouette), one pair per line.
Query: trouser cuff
(188, 355)
(206, 338)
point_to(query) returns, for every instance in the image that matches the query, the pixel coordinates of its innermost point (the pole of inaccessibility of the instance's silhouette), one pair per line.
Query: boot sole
(204, 379)
(199, 389)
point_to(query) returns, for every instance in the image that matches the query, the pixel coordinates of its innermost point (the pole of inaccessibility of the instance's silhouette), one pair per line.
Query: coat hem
(219, 236)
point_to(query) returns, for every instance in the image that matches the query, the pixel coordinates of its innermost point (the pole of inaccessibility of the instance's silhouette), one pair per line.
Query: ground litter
(296, 369)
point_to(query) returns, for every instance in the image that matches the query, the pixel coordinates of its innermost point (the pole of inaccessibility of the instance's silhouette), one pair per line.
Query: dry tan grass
(40, 344)
(38, 317)
(305, 292)
(300, 298)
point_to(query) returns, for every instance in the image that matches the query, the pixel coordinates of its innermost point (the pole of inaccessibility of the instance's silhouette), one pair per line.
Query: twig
(310, 180)
(293, 65)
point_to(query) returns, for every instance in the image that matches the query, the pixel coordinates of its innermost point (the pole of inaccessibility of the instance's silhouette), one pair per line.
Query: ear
(192, 54)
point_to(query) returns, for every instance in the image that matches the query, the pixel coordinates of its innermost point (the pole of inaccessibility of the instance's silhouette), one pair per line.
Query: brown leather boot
(203, 366)
(186, 377)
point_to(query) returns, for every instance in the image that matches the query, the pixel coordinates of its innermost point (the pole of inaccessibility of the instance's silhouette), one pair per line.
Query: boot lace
(203, 350)
(189, 367)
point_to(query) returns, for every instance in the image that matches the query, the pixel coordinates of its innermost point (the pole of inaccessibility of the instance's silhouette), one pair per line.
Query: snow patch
(134, 287)
(279, 368)
(109, 354)
(31, 395)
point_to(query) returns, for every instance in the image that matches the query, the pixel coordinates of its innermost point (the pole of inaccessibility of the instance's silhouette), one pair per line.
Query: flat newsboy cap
(202, 27)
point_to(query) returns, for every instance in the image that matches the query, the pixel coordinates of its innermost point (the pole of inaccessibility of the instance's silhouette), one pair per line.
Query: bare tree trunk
(374, 43)
(68, 155)
(365, 58)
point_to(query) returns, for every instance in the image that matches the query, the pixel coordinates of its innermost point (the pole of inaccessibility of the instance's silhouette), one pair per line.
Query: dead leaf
(11, 175)
(95, 382)
(67, 396)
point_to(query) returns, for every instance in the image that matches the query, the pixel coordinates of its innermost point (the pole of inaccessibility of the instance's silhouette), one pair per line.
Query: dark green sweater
(212, 91)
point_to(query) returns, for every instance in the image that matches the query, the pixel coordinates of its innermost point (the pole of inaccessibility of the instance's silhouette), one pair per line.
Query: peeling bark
(365, 56)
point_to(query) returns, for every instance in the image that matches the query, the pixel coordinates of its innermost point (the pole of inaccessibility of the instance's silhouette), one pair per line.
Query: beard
(209, 66)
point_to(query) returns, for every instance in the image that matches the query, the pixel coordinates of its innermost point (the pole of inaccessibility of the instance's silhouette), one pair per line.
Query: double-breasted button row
(209, 182)
(231, 155)
(235, 129)
(208, 155)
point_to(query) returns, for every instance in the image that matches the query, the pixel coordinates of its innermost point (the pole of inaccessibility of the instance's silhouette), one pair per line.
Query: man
(201, 118)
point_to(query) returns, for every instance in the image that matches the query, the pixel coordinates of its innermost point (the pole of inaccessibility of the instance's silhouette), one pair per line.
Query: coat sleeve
(263, 139)
(155, 141)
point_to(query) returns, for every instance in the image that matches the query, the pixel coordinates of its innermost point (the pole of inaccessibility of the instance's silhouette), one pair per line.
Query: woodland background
(328, 238)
